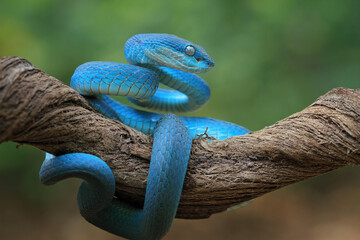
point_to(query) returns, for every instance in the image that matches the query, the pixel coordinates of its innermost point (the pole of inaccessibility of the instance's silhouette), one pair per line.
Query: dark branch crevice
(41, 111)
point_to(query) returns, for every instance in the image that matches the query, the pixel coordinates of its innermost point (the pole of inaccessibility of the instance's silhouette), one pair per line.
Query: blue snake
(154, 59)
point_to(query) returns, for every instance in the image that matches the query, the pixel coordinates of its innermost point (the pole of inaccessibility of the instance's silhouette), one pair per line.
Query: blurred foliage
(273, 58)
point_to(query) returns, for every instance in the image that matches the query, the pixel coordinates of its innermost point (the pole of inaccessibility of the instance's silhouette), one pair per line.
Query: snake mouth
(197, 69)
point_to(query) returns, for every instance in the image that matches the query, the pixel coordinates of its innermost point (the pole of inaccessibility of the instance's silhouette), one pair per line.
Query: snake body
(154, 59)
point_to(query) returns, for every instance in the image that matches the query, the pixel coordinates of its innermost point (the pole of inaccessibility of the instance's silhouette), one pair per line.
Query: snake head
(169, 51)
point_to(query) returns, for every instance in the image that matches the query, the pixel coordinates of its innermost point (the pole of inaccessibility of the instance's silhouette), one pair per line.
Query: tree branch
(41, 111)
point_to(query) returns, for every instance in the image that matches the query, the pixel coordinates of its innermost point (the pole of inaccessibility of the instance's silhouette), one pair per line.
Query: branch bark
(39, 110)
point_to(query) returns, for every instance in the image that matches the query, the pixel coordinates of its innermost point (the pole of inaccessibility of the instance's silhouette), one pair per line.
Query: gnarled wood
(41, 111)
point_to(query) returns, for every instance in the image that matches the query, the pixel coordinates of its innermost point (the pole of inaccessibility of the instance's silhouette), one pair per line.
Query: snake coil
(154, 59)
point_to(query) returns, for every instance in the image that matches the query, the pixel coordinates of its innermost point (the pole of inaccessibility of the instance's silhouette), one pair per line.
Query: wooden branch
(39, 110)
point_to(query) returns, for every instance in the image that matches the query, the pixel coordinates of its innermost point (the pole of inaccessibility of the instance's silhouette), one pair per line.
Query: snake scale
(154, 59)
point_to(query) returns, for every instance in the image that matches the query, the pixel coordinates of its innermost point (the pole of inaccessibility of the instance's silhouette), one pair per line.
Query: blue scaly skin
(154, 59)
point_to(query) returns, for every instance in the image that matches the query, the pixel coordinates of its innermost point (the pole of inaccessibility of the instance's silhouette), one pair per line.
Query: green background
(273, 58)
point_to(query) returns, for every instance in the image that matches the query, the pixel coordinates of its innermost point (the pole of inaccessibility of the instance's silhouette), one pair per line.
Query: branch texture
(41, 111)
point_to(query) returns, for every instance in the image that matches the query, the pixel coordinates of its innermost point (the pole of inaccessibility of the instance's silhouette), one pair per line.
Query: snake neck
(192, 92)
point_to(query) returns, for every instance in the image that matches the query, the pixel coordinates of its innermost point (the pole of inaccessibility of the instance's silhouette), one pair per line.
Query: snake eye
(190, 50)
